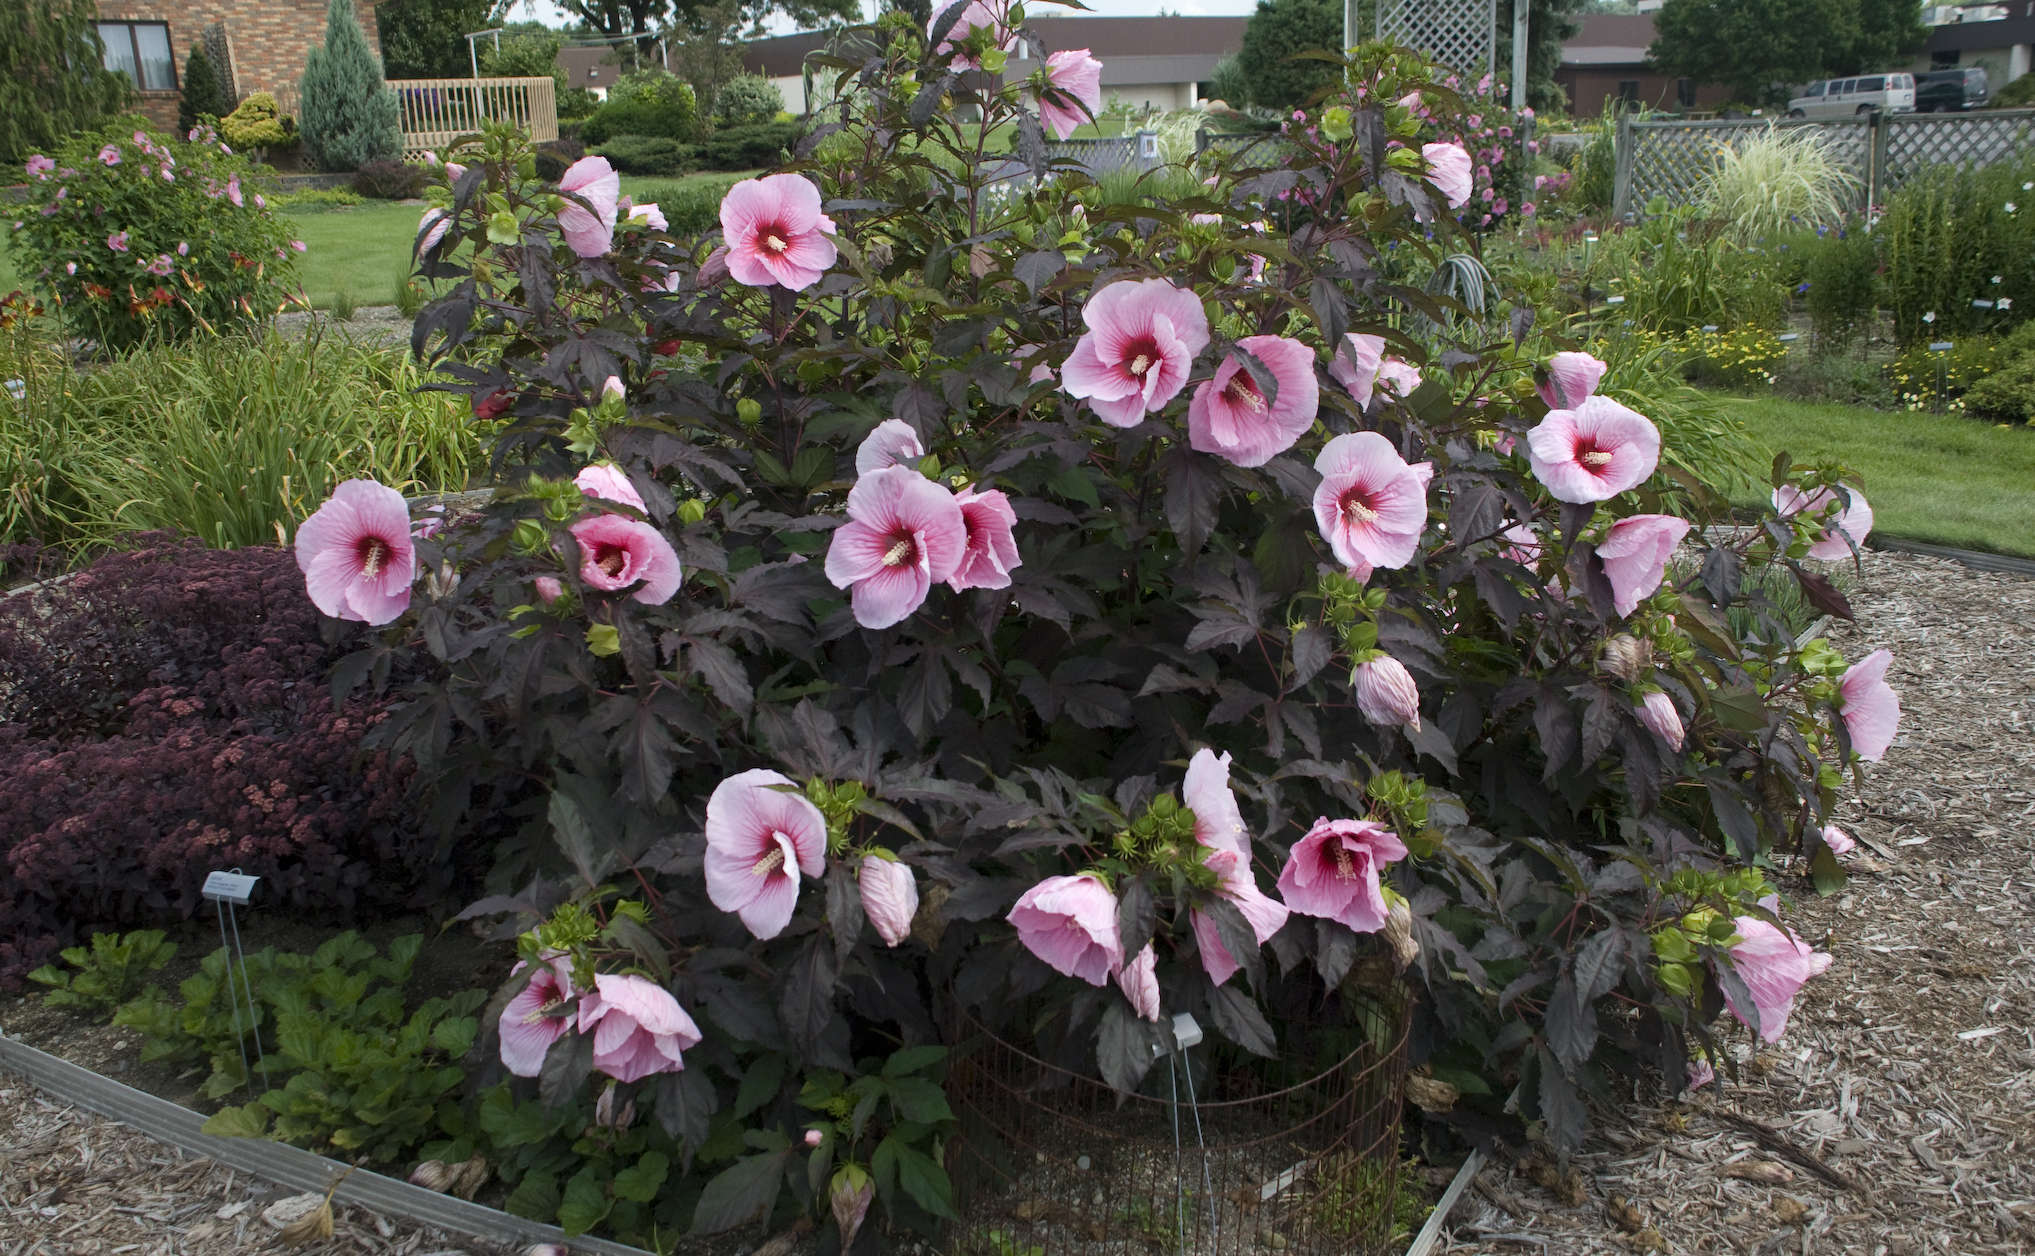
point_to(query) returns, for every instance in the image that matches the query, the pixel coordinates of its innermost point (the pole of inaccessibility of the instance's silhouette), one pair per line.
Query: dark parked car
(1950, 91)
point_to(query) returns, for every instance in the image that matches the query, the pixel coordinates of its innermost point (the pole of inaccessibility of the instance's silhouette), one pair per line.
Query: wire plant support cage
(1218, 1154)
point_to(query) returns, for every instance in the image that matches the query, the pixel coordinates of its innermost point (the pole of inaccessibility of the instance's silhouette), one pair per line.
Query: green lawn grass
(364, 249)
(1930, 477)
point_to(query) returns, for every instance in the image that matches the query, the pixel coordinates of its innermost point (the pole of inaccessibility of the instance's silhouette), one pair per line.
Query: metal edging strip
(281, 1163)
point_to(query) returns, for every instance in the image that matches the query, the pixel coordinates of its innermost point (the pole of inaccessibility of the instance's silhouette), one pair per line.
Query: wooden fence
(438, 111)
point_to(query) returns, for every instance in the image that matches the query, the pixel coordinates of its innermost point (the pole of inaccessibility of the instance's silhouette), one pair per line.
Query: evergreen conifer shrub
(204, 92)
(349, 115)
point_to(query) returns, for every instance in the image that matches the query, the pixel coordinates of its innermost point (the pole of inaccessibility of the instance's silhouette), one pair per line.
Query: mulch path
(1898, 1114)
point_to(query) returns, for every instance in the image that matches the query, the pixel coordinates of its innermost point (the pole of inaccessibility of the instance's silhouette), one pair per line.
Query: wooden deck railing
(437, 111)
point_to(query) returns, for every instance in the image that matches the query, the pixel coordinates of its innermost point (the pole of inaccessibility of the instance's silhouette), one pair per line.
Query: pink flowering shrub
(1055, 635)
(130, 234)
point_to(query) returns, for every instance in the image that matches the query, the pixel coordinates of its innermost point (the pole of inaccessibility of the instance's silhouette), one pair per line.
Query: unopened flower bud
(1398, 932)
(1386, 694)
(612, 387)
(814, 1138)
(605, 1115)
(848, 1196)
(1627, 658)
(890, 897)
(549, 589)
(1657, 712)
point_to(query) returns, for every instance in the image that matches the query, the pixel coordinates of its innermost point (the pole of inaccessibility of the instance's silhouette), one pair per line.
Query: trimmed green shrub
(204, 95)
(649, 154)
(2007, 395)
(1842, 273)
(663, 108)
(2018, 94)
(257, 125)
(554, 156)
(350, 116)
(689, 208)
(749, 147)
(747, 100)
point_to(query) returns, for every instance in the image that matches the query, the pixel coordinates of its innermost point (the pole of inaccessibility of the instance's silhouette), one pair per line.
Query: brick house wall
(265, 41)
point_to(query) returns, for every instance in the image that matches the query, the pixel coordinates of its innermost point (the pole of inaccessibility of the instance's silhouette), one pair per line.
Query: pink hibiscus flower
(605, 481)
(1266, 915)
(991, 16)
(904, 533)
(117, 242)
(1635, 553)
(538, 1016)
(990, 553)
(650, 216)
(1333, 872)
(110, 154)
(1371, 504)
(1397, 378)
(233, 193)
(1355, 364)
(1385, 693)
(1142, 338)
(1851, 519)
(39, 166)
(1218, 821)
(760, 840)
(638, 1028)
(1775, 965)
(1069, 922)
(589, 229)
(1139, 981)
(1657, 711)
(1448, 169)
(1572, 378)
(1593, 452)
(1073, 91)
(1231, 416)
(616, 552)
(776, 233)
(890, 897)
(1839, 842)
(356, 554)
(1869, 706)
(892, 443)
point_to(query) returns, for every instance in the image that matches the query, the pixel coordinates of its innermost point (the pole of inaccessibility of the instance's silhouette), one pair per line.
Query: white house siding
(793, 87)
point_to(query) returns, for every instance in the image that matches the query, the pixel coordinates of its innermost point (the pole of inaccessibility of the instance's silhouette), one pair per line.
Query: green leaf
(760, 1084)
(50, 975)
(249, 1120)
(535, 1197)
(925, 1181)
(586, 1203)
(642, 1180)
(913, 1060)
(920, 1099)
(1826, 871)
(454, 1035)
(738, 1193)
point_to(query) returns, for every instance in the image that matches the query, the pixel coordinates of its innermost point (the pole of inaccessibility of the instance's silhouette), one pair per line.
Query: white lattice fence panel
(1917, 142)
(1671, 159)
(1460, 34)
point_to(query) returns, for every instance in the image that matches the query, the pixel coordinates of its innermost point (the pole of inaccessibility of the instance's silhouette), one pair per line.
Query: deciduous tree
(1278, 31)
(427, 38)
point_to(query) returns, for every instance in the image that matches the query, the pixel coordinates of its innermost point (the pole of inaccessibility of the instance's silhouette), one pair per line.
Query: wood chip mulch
(72, 1184)
(1898, 1114)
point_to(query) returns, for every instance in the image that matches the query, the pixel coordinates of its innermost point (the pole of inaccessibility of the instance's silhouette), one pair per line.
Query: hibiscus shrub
(1110, 620)
(161, 717)
(134, 235)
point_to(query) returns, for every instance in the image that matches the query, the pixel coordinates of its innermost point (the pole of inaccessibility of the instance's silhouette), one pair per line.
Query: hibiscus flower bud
(491, 406)
(890, 897)
(1386, 694)
(605, 1115)
(1627, 658)
(848, 1197)
(814, 1138)
(1398, 932)
(1657, 712)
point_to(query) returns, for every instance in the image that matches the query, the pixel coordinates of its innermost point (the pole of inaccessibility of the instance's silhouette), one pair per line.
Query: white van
(1846, 97)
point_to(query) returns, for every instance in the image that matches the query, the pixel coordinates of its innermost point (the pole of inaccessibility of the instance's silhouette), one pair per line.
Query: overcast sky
(545, 11)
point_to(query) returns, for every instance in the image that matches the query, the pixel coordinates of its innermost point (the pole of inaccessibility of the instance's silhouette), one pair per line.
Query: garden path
(1908, 1071)
(72, 1184)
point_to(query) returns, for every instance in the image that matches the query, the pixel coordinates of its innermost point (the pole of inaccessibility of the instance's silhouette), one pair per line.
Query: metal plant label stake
(229, 891)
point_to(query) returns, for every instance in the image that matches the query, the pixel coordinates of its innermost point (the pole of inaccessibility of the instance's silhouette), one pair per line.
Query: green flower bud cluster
(840, 804)
(1349, 609)
(1402, 798)
(1163, 837)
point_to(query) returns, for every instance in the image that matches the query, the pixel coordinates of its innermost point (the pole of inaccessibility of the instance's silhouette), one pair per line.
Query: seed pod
(470, 1177)
(1399, 932)
(433, 1175)
(1627, 658)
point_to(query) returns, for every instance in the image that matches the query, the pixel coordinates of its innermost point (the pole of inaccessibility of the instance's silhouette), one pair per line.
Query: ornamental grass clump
(1279, 678)
(132, 236)
(1777, 181)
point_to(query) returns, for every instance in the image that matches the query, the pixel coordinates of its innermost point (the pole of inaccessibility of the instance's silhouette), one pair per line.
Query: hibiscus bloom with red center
(1371, 503)
(776, 233)
(1142, 338)
(1233, 416)
(904, 534)
(1593, 452)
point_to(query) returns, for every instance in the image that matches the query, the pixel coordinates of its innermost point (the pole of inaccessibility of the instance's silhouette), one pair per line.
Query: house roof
(1131, 49)
(1609, 39)
(589, 67)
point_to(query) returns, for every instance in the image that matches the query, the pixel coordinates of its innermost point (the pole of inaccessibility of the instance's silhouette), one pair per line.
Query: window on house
(1628, 91)
(1685, 93)
(141, 51)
